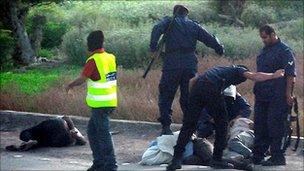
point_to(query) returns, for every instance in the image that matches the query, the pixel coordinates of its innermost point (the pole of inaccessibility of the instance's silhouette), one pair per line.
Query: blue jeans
(100, 139)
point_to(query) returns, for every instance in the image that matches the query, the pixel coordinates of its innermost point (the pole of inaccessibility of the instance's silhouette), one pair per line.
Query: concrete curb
(19, 120)
(15, 120)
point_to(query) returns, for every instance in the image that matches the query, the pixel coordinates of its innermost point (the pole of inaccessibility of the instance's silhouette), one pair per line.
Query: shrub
(55, 26)
(74, 47)
(7, 44)
(129, 45)
(45, 53)
(52, 34)
(256, 16)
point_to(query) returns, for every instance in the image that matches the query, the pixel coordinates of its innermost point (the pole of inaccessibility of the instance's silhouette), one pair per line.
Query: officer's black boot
(166, 130)
(220, 164)
(275, 161)
(175, 164)
(257, 160)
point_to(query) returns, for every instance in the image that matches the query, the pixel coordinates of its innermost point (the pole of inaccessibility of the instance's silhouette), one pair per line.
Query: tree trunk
(27, 54)
(36, 37)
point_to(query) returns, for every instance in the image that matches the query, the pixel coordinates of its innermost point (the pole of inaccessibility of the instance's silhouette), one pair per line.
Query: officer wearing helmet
(180, 61)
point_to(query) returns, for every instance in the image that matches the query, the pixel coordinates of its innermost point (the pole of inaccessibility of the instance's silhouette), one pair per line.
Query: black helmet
(180, 9)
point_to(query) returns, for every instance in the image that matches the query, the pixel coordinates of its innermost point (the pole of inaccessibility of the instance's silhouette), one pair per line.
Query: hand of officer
(220, 51)
(279, 73)
(153, 54)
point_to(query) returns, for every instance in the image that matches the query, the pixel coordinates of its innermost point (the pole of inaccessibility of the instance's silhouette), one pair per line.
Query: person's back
(180, 61)
(51, 132)
(181, 41)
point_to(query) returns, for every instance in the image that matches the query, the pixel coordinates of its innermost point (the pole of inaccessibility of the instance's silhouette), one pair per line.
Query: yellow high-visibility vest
(103, 92)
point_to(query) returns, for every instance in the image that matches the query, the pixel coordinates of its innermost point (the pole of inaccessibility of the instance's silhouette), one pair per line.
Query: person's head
(95, 40)
(268, 35)
(180, 10)
(25, 135)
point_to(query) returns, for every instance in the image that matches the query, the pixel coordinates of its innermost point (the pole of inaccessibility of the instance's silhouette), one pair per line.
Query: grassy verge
(42, 91)
(35, 81)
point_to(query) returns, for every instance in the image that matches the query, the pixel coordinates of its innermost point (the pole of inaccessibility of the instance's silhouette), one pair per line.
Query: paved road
(130, 143)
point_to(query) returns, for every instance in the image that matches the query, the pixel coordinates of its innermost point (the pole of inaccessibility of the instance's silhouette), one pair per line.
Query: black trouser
(204, 94)
(269, 127)
(169, 83)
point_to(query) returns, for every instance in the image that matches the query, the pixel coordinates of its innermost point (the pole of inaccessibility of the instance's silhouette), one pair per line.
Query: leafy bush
(256, 16)
(45, 53)
(55, 26)
(129, 45)
(238, 43)
(74, 46)
(52, 34)
(7, 44)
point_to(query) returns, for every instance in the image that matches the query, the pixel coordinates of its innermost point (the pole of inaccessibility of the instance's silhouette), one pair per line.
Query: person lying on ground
(54, 132)
(198, 151)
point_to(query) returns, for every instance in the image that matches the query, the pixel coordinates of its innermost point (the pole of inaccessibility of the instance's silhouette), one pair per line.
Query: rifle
(292, 118)
(160, 45)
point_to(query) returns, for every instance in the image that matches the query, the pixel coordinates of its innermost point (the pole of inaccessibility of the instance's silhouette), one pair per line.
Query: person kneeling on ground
(206, 91)
(54, 132)
(236, 106)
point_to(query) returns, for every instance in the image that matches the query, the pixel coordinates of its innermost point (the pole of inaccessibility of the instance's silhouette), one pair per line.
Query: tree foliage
(13, 13)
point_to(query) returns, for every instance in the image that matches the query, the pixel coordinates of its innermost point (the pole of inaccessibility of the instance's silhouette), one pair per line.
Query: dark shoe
(257, 160)
(275, 161)
(221, 164)
(175, 164)
(95, 168)
(166, 130)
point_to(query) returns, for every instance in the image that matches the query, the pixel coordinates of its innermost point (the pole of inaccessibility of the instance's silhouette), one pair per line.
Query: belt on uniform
(182, 51)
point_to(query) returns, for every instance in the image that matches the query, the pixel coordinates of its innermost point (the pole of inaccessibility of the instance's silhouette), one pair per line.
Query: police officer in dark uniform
(236, 106)
(180, 61)
(273, 99)
(206, 91)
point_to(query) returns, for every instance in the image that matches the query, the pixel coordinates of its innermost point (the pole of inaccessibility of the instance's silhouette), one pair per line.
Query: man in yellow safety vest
(100, 74)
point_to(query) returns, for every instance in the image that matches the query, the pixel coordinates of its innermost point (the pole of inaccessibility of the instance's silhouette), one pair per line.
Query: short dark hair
(180, 10)
(267, 29)
(95, 40)
(25, 135)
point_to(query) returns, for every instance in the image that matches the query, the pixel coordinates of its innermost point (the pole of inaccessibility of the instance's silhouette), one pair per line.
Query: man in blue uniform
(236, 106)
(180, 61)
(206, 91)
(273, 98)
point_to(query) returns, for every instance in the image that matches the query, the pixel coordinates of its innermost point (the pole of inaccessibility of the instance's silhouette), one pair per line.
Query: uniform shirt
(180, 42)
(236, 107)
(223, 77)
(272, 58)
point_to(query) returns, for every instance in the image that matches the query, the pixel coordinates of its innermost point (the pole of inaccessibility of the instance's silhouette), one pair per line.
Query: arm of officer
(262, 76)
(209, 40)
(288, 62)
(157, 31)
(192, 81)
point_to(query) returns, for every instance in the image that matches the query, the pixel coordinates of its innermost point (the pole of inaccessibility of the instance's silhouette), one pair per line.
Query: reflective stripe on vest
(103, 92)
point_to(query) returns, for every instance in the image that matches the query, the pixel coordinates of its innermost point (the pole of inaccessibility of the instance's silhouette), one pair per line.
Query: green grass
(36, 81)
